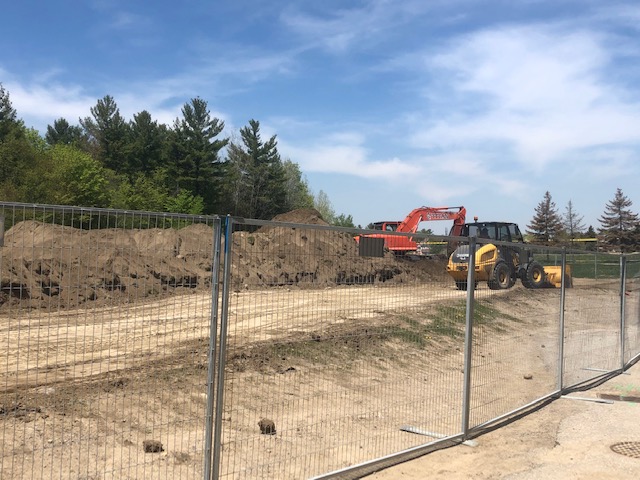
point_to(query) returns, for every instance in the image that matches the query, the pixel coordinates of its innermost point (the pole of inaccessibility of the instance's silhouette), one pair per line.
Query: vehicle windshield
(482, 231)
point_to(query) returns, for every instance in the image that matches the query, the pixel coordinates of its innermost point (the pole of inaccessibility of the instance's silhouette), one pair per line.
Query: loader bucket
(554, 277)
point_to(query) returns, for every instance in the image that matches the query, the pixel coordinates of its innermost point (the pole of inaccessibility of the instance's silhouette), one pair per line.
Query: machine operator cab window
(481, 231)
(502, 232)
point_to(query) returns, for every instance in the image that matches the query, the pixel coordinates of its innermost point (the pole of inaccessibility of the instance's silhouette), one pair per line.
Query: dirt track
(99, 354)
(84, 367)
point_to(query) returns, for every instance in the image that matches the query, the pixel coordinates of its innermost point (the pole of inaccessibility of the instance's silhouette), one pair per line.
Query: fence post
(222, 351)
(623, 287)
(211, 375)
(468, 337)
(1, 230)
(563, 290)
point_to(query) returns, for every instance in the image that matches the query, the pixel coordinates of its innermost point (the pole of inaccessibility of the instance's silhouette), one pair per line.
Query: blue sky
(385, 105)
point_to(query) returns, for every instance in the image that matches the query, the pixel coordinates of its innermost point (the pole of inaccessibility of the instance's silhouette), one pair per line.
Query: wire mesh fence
(515, 349)
(133, 347)
(592, 317)
(336, 353)
(103, 355)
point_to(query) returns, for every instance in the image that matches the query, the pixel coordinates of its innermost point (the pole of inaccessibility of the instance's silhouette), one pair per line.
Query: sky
(385, 105)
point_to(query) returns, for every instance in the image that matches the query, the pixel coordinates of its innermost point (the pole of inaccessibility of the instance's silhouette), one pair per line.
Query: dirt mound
(309, 216)
(53, 266)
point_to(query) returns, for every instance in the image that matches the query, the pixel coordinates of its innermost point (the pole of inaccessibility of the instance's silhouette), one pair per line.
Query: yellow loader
(499, 265)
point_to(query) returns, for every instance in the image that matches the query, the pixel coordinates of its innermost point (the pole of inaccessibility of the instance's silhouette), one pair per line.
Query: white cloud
(344, 153)
(538, 92)
(340, 29)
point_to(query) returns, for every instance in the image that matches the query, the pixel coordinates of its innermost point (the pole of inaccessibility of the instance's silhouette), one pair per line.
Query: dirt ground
(566, 439)
(104, 346)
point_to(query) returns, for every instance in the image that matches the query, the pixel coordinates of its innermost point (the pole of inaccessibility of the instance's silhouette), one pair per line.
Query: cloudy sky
(386, 105)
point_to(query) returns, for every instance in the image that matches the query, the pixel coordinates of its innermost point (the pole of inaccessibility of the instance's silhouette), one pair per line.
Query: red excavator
(401, 245)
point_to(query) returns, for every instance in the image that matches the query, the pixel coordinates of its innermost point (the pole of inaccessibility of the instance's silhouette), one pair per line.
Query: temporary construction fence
(152, 345)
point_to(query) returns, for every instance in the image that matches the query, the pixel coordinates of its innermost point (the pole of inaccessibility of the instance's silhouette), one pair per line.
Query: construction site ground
(567, 439)
(101, 327)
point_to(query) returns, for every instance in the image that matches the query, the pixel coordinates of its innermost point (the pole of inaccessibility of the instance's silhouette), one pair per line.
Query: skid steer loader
(499, 265)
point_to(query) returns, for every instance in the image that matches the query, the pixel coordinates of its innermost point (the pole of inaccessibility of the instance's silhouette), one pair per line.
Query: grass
(587, 265)
(434, 327)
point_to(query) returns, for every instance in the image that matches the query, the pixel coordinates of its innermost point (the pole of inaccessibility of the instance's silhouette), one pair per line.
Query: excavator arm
(424, 214)
(401, 245)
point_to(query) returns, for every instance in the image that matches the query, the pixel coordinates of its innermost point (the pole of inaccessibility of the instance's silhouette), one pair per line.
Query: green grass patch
(434, 327)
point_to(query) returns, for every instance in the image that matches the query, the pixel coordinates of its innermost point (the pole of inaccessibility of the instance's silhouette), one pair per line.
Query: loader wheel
(501, 278)
(534, 276)
(462, 285)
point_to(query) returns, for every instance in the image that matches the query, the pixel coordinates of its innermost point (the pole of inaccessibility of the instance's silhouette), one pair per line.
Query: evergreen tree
(10, 125)
(107, 132)
(194, 154)
(63, 133)
(619, 223)
(573, 222)
(546, 225)
(145, 149)
(258, 178)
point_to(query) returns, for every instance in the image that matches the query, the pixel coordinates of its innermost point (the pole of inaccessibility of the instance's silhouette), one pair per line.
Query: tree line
(619, 226)
(190, 166)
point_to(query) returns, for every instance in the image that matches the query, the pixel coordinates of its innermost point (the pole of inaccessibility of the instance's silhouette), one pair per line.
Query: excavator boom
(402, 245)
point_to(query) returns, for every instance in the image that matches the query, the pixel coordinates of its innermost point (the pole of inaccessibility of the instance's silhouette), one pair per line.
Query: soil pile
(53, 266)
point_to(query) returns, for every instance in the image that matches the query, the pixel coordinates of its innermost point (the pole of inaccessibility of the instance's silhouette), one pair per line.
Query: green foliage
(146, 148)
(77, 179)
(323, 205)
(107, 133)
(63, 133)
(546, 225)
(297, 188)
(620, 225)
(343, 220)
(185, 202)
(194, 153)
(141, 192)
(258, 180)
(107, 161)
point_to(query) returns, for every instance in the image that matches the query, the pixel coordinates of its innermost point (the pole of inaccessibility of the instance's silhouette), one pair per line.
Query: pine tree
(107, 133)
(573, 222)
(546, 225)
(257, 177)
(619, 223)
(63, 133)
(194, 154)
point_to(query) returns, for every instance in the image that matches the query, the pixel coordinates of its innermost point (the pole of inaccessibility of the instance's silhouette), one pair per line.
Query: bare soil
(105, 339)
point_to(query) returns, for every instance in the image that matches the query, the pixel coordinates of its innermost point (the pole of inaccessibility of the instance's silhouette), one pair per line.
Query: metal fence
(145, 345)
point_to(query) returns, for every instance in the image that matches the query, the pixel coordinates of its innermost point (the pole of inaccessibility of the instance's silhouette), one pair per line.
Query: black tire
(501, 277)
(534, 276)
(568, 281)
(462, 285)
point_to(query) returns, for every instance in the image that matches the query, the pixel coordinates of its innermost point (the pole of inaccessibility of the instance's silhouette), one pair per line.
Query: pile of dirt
(53, 266)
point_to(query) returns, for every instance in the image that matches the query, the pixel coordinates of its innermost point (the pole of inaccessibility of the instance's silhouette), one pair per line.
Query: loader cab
(499, 231)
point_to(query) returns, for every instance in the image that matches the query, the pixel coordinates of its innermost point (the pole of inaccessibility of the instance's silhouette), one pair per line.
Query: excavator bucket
(554, 277)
